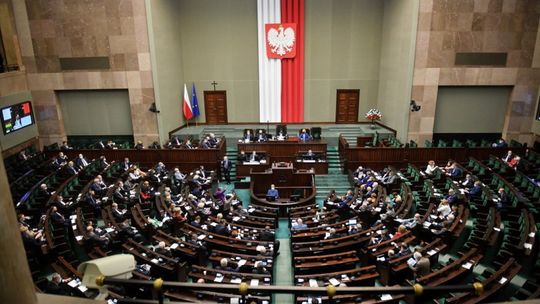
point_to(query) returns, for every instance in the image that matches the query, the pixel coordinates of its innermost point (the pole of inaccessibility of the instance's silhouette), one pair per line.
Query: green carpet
(283, 271)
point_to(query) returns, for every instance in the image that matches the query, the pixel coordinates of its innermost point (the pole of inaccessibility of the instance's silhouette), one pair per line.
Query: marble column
(15, 279)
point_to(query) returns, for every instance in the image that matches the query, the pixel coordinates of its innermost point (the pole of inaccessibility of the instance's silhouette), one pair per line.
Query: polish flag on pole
(188, 112)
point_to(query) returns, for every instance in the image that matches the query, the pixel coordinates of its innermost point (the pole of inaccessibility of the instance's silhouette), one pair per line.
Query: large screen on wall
(16, 117)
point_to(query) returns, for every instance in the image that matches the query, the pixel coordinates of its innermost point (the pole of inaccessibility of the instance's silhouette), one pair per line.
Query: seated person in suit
(501, 143)
(213, 140)
(155, 145)
(258, 268)
(139, 145)
(504, 199)
(454, 171)
(304, 135)
(205, 144)
(103, 162)
(128, 231)
(273, 192)
(310, 155)
(261, 136)
(100, 145)
(101, 241)
(299, 224)
(404, 249)
(117, 214)
(222, 228)
(126, 165)
(247, 136)
(71, 169)
(43, 193)
(508, 157)
(188, 144)
(163, 250)
(57, 217)
(224, 265)
(81, 162)
(254, 157)
(242, 157)
(422, 266)
(57, 286)
(111, 145)
(60, 161)
(476, 190)
(444, 208)
(452, 197)
(281, 132)
(468, 182)
(65, 146)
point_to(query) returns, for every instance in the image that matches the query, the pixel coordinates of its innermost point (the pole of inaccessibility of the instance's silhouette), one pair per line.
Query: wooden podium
(288, 182)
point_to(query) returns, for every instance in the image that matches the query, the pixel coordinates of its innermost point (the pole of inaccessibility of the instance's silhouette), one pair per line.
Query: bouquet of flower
(373, 115)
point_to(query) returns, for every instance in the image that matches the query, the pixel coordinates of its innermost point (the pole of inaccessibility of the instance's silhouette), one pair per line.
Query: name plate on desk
(251, 163)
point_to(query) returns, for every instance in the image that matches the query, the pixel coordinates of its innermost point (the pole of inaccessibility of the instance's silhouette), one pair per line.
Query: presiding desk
(288, 151)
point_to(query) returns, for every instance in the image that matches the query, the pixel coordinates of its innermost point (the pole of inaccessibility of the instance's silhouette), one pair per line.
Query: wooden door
(347, 106)
(215, 107)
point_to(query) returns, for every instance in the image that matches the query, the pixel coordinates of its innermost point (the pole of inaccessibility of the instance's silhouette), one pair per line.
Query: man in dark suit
(139, 145)
(57, 286)
(242, 156)
(261, 136)
(476, 190)
(93, 201)
(162, 249)
(226, 166)
(248, 136)
(60, 160)
(254, 157)
(126, 165)
(102, 241)
(100, 145)
(222, 229)
(43, 193)
(57, 216)
(81, 162)
(304, 135)
(116, 213)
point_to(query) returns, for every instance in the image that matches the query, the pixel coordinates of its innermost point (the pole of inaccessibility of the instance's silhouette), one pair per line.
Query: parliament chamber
(270, 151)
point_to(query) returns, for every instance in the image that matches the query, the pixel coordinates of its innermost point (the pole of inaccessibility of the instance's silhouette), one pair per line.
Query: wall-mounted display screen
(16, 117)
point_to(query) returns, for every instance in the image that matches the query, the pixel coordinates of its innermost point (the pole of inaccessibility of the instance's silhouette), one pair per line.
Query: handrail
(243, 288)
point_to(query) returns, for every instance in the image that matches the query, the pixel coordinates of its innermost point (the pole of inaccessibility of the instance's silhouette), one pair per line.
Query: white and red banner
(186, 105)
(281, 60)
(280, 40)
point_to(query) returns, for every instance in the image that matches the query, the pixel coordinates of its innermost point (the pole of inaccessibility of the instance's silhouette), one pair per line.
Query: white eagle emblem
(281, 41)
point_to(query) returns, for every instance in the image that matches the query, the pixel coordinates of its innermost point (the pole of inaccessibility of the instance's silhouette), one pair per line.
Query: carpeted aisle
(283, 271)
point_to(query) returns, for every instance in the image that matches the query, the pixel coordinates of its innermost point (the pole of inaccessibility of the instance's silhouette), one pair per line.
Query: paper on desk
(334, 282)
(82, 288)
(236, 281)
(467, 265)
(218, 279)
(532, 234)
(527, 246)
(155, 261)
(503, 280)
(254, 282)
(313, 283)
(236, 219)
(241, 262)
(78, 237)
(174, 246)
(386, 297)
(73, 283)
(201, 237)
(431, 252)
